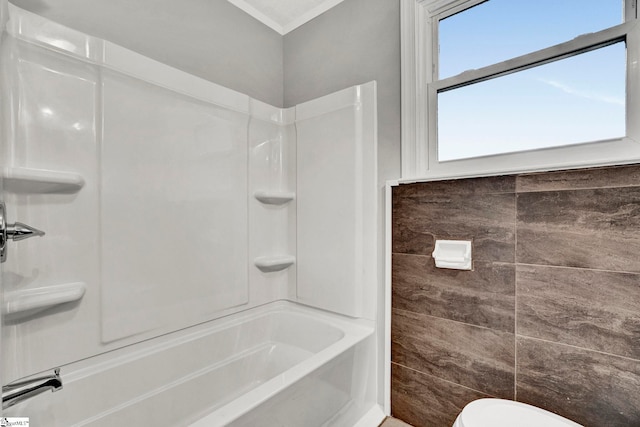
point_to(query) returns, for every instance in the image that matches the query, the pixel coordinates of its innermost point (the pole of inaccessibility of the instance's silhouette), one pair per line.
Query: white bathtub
(281, 364)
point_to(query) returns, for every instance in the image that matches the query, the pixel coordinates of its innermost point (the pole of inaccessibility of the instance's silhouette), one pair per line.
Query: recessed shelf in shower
(274, 197)
(41, 181)
(269, 264)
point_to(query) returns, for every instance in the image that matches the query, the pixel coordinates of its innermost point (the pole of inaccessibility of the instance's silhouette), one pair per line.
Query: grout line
(584, 349)
(403, 253)
(515, 298)
(554, 190)
(603, 270)
(454, 321)
(526, 264)
(485, 261)
(442, 379)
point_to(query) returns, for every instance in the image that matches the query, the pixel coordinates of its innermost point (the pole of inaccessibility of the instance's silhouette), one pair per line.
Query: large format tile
(607, 177)
(582, 228)
(484, 296)
(591, 388)
(486, 219)
(594, 309)
(468, 186)
(426, 401)
(408, 236)
(479, 358)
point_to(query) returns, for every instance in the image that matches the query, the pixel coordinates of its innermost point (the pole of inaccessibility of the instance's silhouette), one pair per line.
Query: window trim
(419, 23)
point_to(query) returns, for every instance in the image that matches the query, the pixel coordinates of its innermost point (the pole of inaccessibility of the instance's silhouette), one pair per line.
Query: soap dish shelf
(23, 303)
(268, 264)
(41, 181)
(274, 197)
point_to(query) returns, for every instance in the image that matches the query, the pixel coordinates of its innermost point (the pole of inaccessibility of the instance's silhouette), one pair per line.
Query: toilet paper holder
(455, 254)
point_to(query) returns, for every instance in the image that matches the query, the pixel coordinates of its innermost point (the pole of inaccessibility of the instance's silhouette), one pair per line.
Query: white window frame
(419, 21)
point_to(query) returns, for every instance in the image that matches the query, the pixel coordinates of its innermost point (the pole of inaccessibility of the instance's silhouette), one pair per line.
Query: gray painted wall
(211, 39)
(355, 42)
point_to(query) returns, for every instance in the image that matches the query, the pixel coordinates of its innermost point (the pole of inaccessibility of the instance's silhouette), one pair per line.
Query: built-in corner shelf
(23, 303)
(268, 264)
(40, 181)
(274, 197)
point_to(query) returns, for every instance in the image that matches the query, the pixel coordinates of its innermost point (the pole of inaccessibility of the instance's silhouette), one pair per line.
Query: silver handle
(16, 232)
(20, 390)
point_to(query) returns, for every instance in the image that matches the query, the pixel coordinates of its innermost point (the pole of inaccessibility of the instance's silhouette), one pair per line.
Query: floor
(392, 422)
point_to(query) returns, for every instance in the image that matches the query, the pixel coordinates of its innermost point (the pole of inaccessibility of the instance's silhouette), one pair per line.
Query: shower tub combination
(257, 306)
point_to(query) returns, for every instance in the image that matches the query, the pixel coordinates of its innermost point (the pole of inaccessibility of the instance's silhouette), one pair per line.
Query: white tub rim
(113, 358)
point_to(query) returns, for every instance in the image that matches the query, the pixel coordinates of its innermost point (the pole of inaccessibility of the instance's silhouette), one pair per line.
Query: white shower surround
(98, 89)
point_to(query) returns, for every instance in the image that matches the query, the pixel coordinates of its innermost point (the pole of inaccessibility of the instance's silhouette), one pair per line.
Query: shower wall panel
(138, 173)
(45, 131)
(272, 194)
(337, 200)
(173, 208)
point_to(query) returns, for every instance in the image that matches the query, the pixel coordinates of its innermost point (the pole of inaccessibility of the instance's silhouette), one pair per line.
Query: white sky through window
(497, 30)
(574, 100)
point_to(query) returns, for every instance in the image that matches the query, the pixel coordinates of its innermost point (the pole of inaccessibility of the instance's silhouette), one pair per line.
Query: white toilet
(507, 413)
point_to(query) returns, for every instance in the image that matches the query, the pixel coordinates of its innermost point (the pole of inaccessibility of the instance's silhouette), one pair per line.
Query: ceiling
(284, 15)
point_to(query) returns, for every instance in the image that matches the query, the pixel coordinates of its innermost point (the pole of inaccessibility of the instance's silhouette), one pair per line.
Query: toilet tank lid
(507, 413)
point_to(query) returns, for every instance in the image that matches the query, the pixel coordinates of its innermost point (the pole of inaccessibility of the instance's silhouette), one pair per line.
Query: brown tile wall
(550, 313)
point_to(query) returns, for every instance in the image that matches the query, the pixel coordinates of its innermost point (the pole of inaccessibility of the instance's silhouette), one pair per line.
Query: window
(512, 85)
(575, 100)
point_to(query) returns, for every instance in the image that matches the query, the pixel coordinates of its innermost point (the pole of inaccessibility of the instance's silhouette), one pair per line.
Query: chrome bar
(20, 390)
